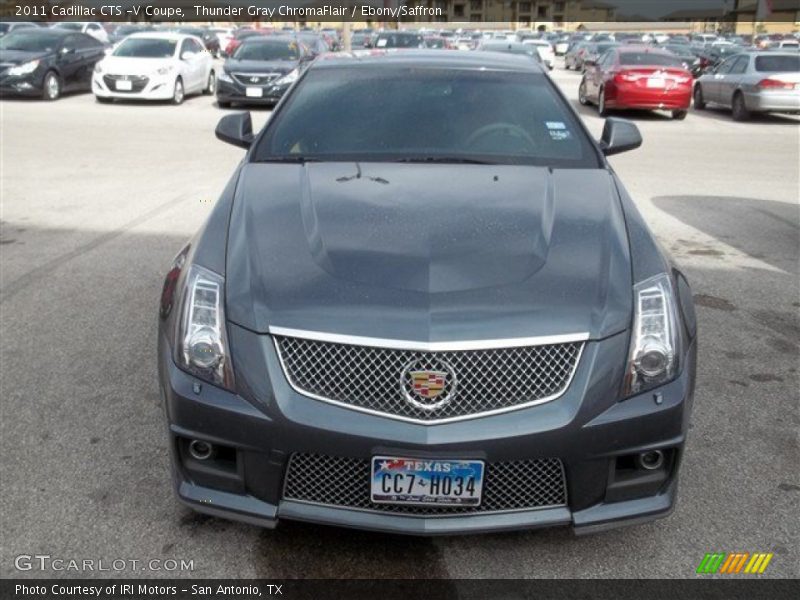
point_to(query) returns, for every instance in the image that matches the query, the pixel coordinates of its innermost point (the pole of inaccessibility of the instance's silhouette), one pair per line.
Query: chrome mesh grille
(478, 381)
(344, 482)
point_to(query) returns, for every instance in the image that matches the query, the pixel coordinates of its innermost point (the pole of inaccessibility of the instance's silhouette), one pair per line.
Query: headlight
(202, 343)
(24, 68)
(164, 70)
(223, 76)
(654, 351)
(290, 77)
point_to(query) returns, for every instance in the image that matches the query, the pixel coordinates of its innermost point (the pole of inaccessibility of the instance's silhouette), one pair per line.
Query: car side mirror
(236, 129)
(66, 51)
(619, 135)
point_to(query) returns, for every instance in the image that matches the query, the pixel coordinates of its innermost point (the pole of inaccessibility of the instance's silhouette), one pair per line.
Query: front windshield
(146, 48)
(427, 114)
(31, 41)
(649, 59)
(271, 50)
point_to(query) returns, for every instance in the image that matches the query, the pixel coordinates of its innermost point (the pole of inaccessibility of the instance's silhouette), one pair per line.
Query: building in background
(773, 16)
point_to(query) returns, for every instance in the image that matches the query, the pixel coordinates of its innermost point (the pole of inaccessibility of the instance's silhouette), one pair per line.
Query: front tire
(102, 100)
(679, 115)
(738, 108)
(51, 88)
(211, 85)
(178, 93)
(699, 101)
(223, 104)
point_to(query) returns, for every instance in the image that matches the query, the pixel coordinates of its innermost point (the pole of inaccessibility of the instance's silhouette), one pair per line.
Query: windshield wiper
(289, 159)
(445, 159)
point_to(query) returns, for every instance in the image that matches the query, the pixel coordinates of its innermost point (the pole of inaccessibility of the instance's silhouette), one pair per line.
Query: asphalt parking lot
(97, 199)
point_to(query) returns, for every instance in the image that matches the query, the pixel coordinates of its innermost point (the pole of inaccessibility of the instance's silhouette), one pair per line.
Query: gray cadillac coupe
(425, 304)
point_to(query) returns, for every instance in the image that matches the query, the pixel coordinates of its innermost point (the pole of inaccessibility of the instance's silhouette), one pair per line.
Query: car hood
(260, 66)
(125, 65)
(17, 57)
(428, 252)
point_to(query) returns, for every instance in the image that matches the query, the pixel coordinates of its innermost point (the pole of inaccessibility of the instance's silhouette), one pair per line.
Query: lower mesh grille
(344, 482)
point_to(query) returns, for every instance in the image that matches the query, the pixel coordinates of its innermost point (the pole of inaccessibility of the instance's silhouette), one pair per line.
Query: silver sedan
(752, 82)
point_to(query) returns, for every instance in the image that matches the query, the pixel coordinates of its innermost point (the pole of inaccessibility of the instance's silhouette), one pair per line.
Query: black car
(684, 53)
(47, 62)
(448, 319)
(7, 27)
(210, 39)
(120, 32)
(261, 70)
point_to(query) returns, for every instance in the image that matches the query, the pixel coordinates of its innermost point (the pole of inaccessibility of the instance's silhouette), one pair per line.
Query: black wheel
(211, 84)
(51, 88)
(699, 102)
(679, 115)
(223, 104)
(582, 98)
(601, 104)
(178, 93)
(739, 109)
(103, 100)
(566, 65)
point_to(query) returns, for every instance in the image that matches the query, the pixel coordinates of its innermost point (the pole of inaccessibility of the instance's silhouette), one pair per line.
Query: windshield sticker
(560, 134)
(555, 125)
(382, 43)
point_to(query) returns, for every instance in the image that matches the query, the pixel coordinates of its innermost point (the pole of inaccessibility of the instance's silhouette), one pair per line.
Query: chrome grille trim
(343, 482)
(531, 373)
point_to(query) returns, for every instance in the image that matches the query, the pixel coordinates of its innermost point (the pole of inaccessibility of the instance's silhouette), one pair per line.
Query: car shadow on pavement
(724, 114)
(632, 115)
(763, 229)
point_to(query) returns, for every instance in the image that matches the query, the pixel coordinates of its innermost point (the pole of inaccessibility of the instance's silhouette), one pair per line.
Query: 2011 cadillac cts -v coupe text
(425, 304)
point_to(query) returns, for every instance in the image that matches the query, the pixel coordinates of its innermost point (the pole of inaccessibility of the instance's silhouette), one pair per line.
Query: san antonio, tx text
(316, 12)
(126, 589)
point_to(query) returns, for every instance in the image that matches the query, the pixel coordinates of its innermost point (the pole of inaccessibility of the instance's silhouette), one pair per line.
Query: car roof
(430, 58)
(56, 31)
(162, 35)
(267, 39)
(639, 50)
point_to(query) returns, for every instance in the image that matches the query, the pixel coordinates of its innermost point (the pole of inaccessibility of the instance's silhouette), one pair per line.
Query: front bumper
(157, 87)
(228, 91)
(22, 85)
(267, 422)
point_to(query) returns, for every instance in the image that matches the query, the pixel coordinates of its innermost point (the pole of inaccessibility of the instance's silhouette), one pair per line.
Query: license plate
(426, 482)
(124, 85)
(254, 92)
(656, 82)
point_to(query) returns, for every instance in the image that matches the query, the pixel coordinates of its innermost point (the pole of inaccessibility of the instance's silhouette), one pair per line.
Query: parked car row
(633, 77)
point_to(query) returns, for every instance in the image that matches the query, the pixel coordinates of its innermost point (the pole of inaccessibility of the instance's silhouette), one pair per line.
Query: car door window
(739, 66)
(194, 46)
(70, 44)
(725, 67)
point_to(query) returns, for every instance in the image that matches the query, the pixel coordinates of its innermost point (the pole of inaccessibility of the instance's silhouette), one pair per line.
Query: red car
(634, 77)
